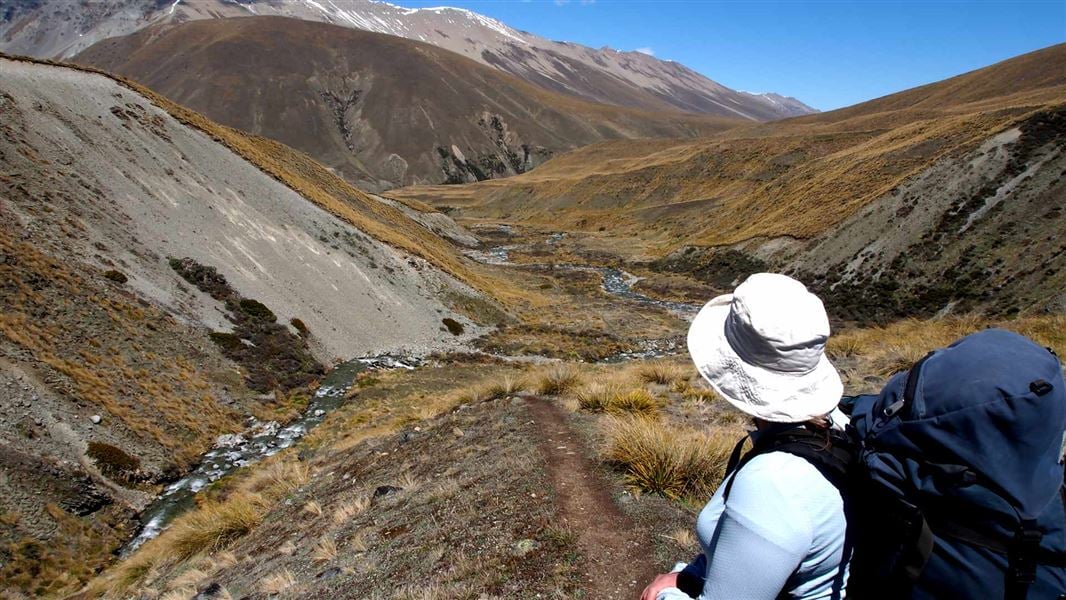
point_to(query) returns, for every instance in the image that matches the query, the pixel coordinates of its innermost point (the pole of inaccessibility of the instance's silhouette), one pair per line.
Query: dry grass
(894, 348)
(660, 459)
(661, 372)
(278, 582)
(558, 380)
(313, 508)
(325, 550)
(213, 526)
(349, 510)
(613, 399)
(508, 385)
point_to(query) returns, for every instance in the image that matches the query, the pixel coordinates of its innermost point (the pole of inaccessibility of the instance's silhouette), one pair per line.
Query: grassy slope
(794, 178)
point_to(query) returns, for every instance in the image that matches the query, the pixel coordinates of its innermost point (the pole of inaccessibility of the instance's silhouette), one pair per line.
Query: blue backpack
(958, 490)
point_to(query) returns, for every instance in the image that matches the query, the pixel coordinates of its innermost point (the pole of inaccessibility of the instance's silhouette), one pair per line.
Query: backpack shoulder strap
(829, 451)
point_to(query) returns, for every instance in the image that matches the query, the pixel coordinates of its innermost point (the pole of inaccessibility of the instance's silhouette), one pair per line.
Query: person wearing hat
(776, 527)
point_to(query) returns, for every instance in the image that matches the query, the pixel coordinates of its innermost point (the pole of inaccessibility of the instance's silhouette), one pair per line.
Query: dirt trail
(618, 563)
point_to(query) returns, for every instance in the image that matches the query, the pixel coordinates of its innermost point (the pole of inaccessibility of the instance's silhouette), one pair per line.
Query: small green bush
(454, 327)
(257, 310)
(227, 341)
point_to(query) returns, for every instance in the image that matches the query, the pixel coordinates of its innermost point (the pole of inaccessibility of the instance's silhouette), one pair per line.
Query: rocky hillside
(158, 288)
(382, 110)
(943, 197)
(61, 29)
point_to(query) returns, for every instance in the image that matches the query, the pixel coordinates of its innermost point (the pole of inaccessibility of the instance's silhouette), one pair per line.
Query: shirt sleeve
(760, 539)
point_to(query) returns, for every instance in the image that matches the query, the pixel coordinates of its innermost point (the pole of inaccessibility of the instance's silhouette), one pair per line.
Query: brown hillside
(382, 110)
(941, 180)
(793, 178)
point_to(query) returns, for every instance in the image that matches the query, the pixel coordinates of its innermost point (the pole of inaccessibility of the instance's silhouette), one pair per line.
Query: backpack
(951, 476)
(958, 490)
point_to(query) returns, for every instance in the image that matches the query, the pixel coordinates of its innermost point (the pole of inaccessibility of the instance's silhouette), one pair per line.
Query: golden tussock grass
(614, 399)
(278, 582)
(213, 526)
(895, 347)
(349, 510)
(557, 380)
(325, 550)
(665, 460)
(661, 372)
(313, 508)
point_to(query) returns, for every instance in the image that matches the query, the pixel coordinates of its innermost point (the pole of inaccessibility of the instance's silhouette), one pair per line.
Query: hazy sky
(828, 53)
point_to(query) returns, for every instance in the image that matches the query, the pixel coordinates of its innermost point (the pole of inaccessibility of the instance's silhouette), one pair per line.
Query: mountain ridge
(55, 28)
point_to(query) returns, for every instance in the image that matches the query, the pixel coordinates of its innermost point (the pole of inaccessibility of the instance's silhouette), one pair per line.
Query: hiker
(776, 526)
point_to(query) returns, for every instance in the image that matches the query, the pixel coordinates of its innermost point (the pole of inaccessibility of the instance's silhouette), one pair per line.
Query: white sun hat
(762, 348)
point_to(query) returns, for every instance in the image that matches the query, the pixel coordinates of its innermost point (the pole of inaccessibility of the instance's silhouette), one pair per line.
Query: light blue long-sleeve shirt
(781, 535)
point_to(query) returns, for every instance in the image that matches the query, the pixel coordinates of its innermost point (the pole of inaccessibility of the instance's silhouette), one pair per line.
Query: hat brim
(775, 396)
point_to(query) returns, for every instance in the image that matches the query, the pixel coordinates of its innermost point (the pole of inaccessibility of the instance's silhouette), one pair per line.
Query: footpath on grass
(618, 563)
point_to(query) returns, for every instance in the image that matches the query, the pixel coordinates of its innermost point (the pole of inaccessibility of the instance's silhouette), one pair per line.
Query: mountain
(381, 110)
(945, 197)
(164, 278)
(61, 29)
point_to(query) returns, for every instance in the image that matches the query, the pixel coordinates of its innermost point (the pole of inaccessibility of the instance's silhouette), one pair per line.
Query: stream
(263, 439)
(615, 281)
(260, 440)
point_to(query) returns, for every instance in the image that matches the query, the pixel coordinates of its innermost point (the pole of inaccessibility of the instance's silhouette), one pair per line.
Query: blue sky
(828, 53)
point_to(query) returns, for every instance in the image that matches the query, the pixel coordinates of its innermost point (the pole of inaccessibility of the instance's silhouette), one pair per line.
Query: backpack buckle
(1024, 551)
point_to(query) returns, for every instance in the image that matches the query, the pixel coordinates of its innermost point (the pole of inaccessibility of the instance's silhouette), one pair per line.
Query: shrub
(255, 309)
(665, 461)
(116, 276)
(113, 461)
(228, 342)
(206, 279)
(558, 380)
(454, 327)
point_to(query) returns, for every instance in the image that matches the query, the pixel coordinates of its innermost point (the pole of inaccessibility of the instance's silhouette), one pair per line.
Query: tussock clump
(558, 380)
(665, 461)
(701, 394)
(660, 372)
(313, 508)
(508, 385)
(213, 526)
(349, 510)
(325, 550)
(616, 400)
(278, 582)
